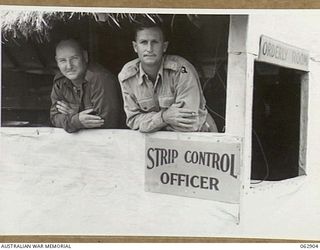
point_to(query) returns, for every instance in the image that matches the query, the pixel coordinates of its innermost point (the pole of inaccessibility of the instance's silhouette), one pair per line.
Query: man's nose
(68, 64)
(149, 47)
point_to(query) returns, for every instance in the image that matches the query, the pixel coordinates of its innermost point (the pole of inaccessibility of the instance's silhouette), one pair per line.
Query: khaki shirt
(177, 84)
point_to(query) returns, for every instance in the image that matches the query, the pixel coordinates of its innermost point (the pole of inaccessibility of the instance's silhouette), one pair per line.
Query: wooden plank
(303, 123)
(239, 96)
(92, 182)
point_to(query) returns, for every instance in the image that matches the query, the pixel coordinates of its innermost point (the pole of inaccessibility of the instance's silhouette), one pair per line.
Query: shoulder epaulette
(129, 70)
(174, 62)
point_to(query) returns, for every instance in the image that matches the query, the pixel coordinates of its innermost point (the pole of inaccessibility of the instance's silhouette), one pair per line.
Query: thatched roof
(38, 24)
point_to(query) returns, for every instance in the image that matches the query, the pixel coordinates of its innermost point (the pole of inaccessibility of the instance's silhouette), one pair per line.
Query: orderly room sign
(282, 54)
(206, 170)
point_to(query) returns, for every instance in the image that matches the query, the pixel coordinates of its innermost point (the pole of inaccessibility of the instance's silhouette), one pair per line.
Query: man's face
(71, 60)
(150, 46)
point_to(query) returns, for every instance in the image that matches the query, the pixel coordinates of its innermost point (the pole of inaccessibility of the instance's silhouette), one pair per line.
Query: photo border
(199, 4)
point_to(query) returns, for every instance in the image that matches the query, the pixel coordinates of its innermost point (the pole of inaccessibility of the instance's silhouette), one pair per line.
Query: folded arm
(68, 121)
(148, 121)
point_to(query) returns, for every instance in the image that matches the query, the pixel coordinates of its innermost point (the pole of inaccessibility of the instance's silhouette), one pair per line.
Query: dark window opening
(28, 66)
(276, 122)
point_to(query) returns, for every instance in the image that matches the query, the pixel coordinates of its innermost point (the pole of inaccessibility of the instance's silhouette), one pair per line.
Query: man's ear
(165, 46)
(85, 55)
(134, 45)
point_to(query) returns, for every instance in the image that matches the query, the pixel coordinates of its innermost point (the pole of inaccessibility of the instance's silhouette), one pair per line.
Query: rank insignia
(183, 69)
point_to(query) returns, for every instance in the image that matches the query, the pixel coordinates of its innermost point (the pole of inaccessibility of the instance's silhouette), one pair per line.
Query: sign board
(282, 54)
(207, 170)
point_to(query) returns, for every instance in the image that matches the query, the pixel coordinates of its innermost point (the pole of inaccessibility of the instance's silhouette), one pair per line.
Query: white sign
(208, 170)
(282, 54)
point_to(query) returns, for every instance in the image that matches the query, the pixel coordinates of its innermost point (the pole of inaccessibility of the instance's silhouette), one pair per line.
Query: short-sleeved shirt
(177, 84)
(99, 91)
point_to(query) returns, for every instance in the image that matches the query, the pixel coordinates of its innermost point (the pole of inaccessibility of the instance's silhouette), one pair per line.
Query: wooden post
(303, 123)
(239, 96)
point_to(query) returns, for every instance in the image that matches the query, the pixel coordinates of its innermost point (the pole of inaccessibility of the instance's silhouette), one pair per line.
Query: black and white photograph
(160, 122)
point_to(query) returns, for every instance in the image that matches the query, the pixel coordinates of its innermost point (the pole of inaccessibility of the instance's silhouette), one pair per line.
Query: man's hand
(90, 121)
(65, 108)
(181, 118)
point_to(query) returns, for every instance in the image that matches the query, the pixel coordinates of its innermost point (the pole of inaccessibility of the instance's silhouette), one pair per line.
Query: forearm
(180, 119)
(69, 123)
(145, 122)
(148, 121)
(180, 129)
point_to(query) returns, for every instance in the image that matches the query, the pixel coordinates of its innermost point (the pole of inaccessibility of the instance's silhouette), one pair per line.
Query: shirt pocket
(147, 104)
(166, 101)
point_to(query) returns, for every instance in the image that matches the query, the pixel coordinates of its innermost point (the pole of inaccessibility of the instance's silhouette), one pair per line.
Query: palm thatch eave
(38, 24)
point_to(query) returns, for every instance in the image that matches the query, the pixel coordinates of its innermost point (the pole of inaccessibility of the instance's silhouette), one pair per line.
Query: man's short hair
(80, 44)
(146, 23)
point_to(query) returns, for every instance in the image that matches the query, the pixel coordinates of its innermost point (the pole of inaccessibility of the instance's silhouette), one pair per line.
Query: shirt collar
(143, 74)
(88, 76)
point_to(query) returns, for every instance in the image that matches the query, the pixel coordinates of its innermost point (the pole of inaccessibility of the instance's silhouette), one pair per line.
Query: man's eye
(143, 42)
(62, 61)
(76, 59)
